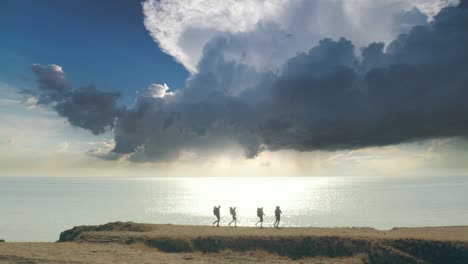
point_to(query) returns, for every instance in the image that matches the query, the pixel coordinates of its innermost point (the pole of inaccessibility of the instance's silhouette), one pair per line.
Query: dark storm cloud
(51, 82)
(90, 109)
(415, 90)
(406, 20)
(157, 130)
(208, 116)
(326, 99)
(463, 4)
(329, 98)
(85, 107)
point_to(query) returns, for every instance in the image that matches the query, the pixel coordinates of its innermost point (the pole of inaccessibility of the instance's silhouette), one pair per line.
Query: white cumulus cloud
(157, 91)
(279, 28)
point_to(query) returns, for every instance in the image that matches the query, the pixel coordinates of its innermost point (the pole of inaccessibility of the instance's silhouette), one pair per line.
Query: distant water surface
(38, 209)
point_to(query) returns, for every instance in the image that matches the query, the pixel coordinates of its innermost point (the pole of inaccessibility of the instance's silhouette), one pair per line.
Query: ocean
(38, 209)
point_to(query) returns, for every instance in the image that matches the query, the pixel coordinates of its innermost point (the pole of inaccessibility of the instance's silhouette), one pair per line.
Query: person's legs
(277, 222)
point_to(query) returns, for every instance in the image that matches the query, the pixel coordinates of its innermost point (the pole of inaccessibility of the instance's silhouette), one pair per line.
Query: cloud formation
(85, 107)
(265, 33)
(334, 96)
(51, 83)
(328, 98)
(89, 108)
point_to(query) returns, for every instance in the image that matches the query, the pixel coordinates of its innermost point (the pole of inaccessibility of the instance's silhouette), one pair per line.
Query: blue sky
(103, 43)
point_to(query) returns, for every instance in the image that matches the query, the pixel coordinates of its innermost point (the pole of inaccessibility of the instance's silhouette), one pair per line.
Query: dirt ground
(147, 243)
(74, 253)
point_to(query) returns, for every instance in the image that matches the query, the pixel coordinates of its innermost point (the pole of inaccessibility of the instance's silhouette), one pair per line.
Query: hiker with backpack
(260, 214)
(278, 216)
(217, 214)
(234, 216)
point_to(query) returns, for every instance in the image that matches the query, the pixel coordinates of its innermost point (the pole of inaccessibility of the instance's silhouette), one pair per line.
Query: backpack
(231, 210)
(259, 212)
(215, 209)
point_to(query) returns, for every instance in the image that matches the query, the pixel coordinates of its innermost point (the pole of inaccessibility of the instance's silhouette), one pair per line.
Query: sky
(233, 88)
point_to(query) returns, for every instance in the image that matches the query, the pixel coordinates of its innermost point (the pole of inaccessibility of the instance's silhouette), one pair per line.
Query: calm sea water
(38, 209)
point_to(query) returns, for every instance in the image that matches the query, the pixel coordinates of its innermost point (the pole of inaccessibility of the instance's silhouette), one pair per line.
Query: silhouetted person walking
(260, 214)
(234, 216)
(217, 214)
(278, 216)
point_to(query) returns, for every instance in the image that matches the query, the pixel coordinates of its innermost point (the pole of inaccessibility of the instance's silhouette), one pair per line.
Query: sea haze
(38, 209)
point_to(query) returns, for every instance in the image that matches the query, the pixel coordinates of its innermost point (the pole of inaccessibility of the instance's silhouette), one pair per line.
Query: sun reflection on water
(57, 204)
(247, 194)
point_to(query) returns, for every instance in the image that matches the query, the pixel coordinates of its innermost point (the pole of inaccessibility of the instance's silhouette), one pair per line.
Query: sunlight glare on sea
(38, 209)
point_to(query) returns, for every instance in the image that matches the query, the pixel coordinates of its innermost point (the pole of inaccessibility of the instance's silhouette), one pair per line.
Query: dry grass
(145, 243)
(98, 253)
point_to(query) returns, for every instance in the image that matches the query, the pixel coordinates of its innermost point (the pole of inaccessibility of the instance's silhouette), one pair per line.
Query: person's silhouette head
(277, 207)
